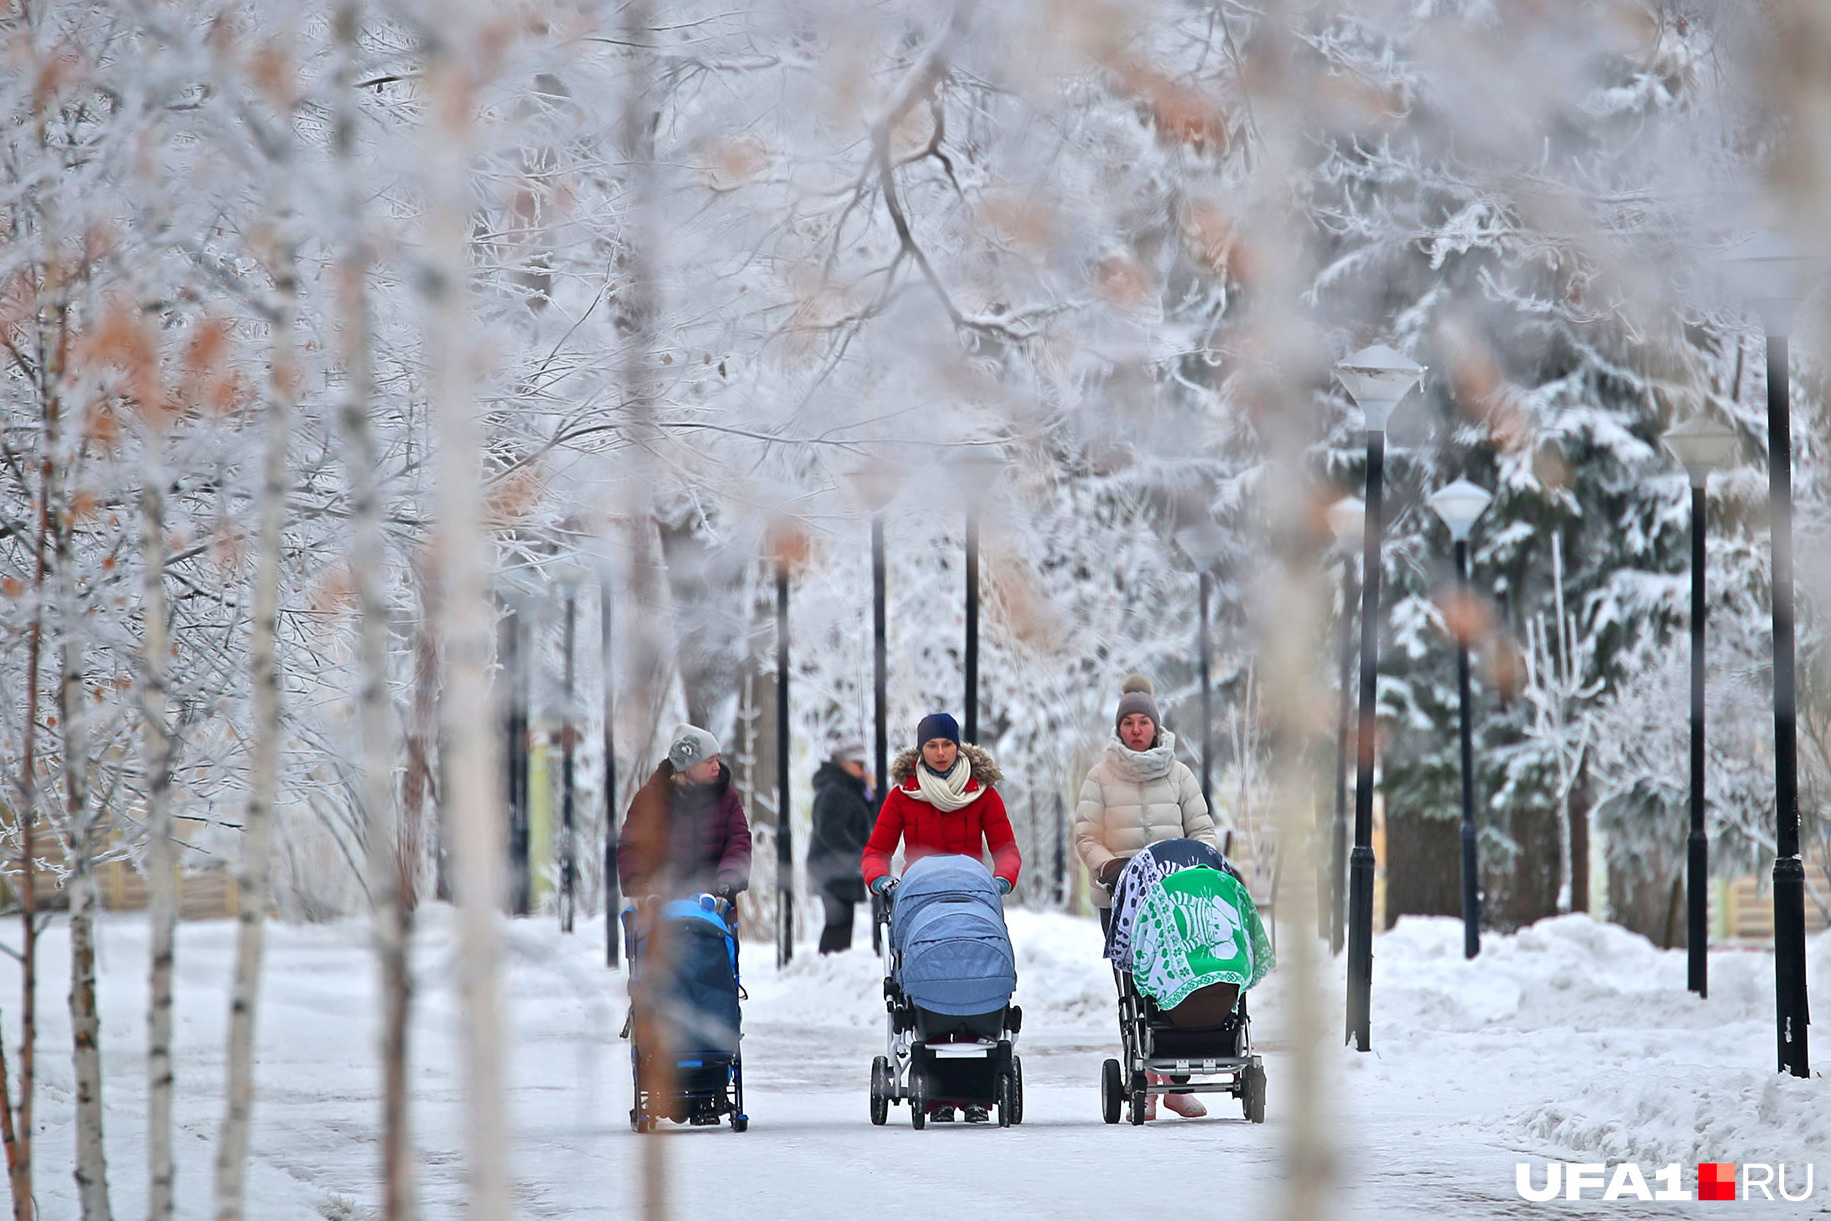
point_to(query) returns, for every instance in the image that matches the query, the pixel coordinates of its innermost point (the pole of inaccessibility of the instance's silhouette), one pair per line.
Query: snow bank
(1623, 1063)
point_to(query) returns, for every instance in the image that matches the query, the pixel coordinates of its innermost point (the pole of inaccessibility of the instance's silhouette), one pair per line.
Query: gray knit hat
(1136, 697)
(691, 745)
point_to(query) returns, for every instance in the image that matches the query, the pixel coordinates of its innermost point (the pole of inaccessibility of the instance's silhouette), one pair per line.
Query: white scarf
(1143, 766)
(947, 793)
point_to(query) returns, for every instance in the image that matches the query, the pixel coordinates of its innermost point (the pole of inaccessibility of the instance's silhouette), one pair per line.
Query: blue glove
(1004, 885)
(883, 886)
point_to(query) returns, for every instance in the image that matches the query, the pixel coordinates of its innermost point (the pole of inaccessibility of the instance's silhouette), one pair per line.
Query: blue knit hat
(937, 725)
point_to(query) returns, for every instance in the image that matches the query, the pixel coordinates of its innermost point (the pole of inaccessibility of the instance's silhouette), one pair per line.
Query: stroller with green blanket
(1186, 942)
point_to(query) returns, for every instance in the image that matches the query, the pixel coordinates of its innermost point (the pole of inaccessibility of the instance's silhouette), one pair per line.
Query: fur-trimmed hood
(985, 768)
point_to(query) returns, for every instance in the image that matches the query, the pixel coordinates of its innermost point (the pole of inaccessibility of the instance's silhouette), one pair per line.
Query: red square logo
(1716, 1181)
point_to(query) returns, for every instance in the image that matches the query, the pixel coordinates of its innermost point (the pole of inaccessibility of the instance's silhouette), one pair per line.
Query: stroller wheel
(1137, 1100)
(880, 1090)
(1252, 1091)
(1004, 1092)
(740, 1123)
(918, 1101)
(1112, 1091)
(1017, 1090)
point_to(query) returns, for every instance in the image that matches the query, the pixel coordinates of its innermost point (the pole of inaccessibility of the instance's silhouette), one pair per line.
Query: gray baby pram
(949, 973)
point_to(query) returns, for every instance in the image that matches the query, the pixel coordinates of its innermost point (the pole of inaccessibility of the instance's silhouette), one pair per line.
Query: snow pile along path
(1589, 1047)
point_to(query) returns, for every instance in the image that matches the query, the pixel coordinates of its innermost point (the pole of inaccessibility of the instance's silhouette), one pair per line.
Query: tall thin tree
(252, 880)
(367, 559)
(453, 75)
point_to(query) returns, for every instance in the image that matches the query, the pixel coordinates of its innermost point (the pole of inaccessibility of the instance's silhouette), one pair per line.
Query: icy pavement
(1572, 1040)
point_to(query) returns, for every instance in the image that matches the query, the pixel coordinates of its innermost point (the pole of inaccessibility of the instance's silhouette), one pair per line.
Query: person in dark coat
(685, 832)
(843, 816)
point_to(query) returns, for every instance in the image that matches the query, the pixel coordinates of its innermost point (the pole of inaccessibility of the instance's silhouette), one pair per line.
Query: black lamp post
(785, 832)
(613, 901)
(1347, 522)
(875, 484)
(1459, 504)
(1377, 378)
(568, 845)
(1779, 279)
(972, 471)
(1701, 446)
(1205, 543)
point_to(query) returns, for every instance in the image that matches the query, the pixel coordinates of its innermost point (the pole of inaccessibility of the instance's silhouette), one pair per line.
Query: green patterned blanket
(1197, 927)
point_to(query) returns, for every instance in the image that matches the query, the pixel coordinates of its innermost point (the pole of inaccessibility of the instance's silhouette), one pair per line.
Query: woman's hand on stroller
(1003, 884)
(1109, 872)
(884, 887)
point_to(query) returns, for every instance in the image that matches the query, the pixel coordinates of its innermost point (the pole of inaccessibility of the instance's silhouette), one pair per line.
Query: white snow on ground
(1572, 1040)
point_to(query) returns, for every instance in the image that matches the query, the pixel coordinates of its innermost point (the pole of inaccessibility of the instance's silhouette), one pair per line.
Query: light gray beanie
(691, 745)
(1136, 697)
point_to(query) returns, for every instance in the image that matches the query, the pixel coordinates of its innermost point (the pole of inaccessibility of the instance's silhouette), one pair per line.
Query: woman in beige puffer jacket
(1137, 794)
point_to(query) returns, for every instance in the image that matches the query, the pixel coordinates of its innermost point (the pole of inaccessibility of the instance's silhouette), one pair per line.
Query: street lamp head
(1701, 445)
(875, 484)
(1377, 378)
(1348, 520)
(1203, 542)
(973, 470)
(1459, 504)
(1773, 276)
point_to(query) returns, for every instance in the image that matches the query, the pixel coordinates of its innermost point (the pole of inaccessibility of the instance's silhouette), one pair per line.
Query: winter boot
(1186, 1105)
(978, 1115)
(943, 1113)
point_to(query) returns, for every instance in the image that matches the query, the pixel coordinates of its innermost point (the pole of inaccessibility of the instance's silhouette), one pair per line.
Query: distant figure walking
(843, 815)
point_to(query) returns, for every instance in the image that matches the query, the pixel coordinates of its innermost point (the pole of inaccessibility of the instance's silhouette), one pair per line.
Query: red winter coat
(972, 830)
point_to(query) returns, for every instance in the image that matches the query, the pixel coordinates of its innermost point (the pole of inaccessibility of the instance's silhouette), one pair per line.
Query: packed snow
(1572, 1040)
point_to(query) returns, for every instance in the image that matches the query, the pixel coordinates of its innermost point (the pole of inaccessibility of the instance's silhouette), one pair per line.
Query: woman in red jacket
(943, 802)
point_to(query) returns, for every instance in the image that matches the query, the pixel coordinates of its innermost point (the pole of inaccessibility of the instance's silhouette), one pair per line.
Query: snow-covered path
(1572, 1040)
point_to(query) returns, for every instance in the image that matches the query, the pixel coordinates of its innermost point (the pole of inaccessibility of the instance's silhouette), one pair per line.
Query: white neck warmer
(946, 793)
(1143, 765)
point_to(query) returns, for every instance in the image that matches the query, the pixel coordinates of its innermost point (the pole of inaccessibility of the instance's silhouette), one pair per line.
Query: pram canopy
(947, 929)
(693, 984)
(1183, 920)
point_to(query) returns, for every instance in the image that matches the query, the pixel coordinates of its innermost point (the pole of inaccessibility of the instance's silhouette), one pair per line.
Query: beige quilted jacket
(1136, 797)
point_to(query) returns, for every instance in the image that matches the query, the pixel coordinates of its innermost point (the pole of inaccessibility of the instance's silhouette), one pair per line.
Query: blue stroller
(685, 1024)
(949, 973)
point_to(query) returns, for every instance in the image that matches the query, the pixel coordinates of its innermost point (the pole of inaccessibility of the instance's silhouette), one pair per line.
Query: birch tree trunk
(391, 919)
(91, 1170)
(638, 305)
(18, 1134)
(161, 849)
(1293, 634)
(473, 797)
(263, 781)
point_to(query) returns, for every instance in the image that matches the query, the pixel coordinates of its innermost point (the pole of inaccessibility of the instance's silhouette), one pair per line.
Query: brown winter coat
(682, 839)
